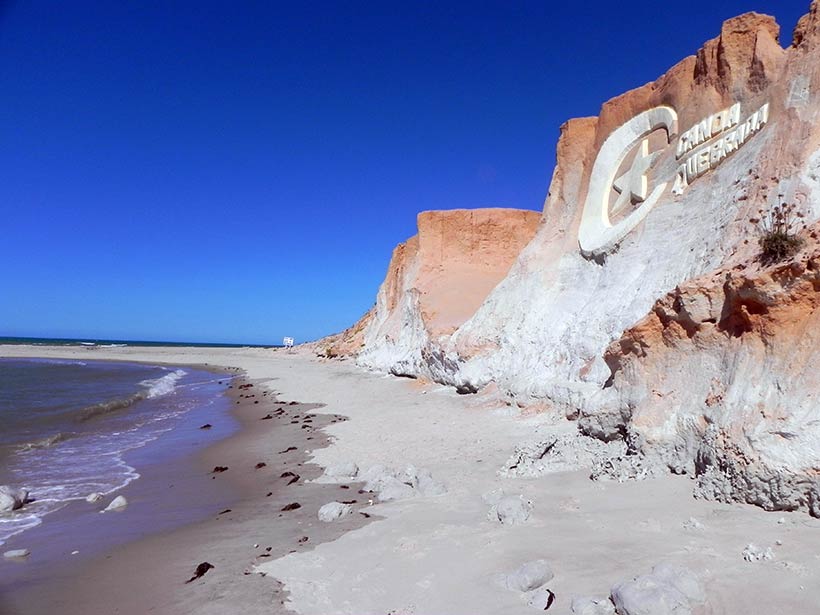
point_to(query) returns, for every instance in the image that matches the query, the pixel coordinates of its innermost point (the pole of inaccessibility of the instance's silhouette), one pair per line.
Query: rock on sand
(527, 577)
(117, 504)
(17, 554)
(510, 510)
(345, 470)
(667, 590)
(12, 498)
(333, 511)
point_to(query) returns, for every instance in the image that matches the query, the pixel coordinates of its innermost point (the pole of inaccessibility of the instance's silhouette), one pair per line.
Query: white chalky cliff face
(661, 189)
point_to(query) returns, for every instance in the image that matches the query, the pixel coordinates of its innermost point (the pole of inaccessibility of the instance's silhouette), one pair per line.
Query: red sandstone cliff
(447, 270)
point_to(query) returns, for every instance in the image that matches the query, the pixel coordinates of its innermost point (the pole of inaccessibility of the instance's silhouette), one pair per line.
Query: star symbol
(632, 185)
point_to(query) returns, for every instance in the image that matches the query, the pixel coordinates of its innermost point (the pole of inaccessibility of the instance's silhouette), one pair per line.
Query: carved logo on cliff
(619, 194)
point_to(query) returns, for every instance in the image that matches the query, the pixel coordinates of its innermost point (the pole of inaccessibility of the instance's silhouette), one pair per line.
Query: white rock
(590, 606)
(528, 577)
(372, 473)
(93, 498)
(391, 485)
(344, 470)
(682, 579)
(117, 504)
(393, 489)
(667, 590)
(12, 498)
(511, 510)
(753, 553)
(428, 486)
(333, 511)
(541, 598)
(17, 554)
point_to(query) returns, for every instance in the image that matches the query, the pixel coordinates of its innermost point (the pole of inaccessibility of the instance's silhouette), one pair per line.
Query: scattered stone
(348, 470)
(511, 510)
(260, 465)
(93, 498)
(206, 426)
(526, 577)
(117, 504)
(201, 569)
(667, 590)
(753, 553)
(333, 511)
(542, 599)
(227, 510)
(16, 554)
(293, 506)
(391, 488)
(219, 469)
(12, 498)
(591, 606)
(392, 485)
(303, 539)
(267, 417)
(557, 454)
(287, 450)
(623, 468)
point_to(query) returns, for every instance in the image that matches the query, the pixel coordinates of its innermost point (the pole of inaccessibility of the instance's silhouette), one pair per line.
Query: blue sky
(237, 172)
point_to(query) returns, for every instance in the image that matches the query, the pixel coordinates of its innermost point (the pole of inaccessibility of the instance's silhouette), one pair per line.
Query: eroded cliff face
(721, 381)
(659, 192)
(437, 279)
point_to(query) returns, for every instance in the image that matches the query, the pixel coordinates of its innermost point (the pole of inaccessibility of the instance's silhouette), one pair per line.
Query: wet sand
(239, 508)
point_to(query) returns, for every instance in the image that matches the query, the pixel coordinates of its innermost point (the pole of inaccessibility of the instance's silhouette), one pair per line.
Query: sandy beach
(435, 552)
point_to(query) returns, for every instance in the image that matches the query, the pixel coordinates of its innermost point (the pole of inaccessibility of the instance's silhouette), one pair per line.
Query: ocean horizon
(112, 343)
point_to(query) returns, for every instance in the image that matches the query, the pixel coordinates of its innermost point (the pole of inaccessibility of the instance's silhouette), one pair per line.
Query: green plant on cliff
(779, 228)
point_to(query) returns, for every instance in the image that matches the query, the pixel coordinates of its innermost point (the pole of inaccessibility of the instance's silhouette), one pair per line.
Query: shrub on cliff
(779, 229)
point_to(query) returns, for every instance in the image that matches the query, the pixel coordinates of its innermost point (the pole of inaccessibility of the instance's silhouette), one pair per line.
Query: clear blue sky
(240, 171)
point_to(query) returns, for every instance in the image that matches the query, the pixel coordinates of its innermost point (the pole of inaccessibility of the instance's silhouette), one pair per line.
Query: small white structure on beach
(288, 342)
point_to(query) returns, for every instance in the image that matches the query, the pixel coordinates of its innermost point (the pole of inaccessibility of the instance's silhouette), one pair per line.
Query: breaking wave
(155, 388)
(44, 442)
(164, 385)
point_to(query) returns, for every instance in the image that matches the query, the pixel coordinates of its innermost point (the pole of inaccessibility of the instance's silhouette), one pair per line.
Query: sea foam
(164, 385)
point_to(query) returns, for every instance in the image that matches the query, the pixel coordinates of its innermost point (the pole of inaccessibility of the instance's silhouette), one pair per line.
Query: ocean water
(66, 425)
(102, 343)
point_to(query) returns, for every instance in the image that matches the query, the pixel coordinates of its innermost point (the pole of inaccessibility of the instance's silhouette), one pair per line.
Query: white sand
(437, 555)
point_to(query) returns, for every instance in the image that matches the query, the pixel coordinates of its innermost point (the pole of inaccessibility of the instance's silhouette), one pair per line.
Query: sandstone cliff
(655, 194)
(435, 281)
(720, 380)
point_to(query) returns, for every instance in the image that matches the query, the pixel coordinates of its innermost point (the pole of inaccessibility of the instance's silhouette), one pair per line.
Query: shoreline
(253, 498)
(146, 453)
(439, 553)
